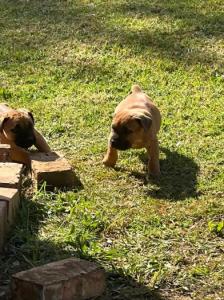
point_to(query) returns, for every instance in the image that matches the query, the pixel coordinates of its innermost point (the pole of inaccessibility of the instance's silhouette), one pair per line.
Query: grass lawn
(71, 62)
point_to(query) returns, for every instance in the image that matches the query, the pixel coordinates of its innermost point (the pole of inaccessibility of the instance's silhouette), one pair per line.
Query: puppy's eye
(16, 128)
(30, 126)
(127, 130)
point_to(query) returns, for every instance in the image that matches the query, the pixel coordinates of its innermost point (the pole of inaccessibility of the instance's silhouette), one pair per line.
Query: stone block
(3, 223)
(10, 175)
(15, 154)
(5, 153)
(11, 198)
(69, 279)
(53, 169)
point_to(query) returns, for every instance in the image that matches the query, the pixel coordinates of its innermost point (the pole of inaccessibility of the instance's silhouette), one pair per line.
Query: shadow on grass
(37, 24)
(24, 250)
(178, 179)
(187, 26)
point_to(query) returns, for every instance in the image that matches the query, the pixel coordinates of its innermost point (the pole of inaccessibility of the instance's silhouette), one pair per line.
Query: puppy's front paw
(154, 169)
(108, 162)
(152, 177)
(155, 175)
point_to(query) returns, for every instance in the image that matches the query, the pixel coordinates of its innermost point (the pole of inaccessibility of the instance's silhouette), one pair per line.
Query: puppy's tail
(136, 89)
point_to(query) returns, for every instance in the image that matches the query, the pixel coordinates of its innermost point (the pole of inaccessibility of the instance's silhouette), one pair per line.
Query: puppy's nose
(31, 140)
(113, 142)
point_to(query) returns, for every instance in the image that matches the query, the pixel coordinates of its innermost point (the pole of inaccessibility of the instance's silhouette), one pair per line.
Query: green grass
(71, 62)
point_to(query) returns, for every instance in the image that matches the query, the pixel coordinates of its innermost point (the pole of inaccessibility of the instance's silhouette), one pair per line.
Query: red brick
(10, 175)
(69, 279)
(3, 223)
(53, 169)
(8, 154)
(11, 197)
(5, 153)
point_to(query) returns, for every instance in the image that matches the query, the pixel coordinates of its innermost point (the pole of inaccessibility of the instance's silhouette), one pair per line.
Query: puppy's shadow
(178, 179)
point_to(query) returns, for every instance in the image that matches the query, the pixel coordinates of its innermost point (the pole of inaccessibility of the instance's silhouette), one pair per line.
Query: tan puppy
(135, 124)
(17, 130)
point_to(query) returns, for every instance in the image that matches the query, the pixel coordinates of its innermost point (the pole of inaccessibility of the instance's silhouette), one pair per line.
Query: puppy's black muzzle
(25, 141)
(120, 145)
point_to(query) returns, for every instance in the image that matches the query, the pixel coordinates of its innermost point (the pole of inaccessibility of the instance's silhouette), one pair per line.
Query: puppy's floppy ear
(144, 120)
(2, 122)
(26, 111)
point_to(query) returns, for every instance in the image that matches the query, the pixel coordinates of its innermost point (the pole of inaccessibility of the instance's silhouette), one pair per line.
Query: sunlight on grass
(71, 62)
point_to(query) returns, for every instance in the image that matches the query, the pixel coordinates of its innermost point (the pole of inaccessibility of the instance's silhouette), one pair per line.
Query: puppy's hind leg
(111, 157)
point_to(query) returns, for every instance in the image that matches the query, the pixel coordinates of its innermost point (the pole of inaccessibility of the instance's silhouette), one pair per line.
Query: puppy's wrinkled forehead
(18, 118)
(124, 120)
